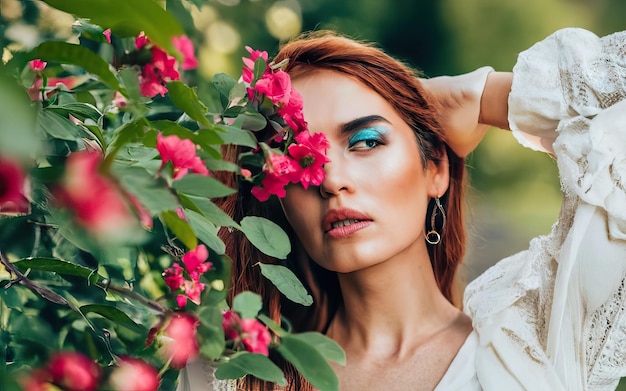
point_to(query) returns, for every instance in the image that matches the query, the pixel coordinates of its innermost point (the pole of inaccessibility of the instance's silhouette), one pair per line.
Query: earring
(433, 237)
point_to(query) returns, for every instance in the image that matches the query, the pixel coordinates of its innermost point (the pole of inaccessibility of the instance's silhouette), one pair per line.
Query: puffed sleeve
(571, 73)
(554, 316)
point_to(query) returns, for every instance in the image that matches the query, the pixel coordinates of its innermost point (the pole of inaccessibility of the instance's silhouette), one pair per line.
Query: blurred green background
(515, 192)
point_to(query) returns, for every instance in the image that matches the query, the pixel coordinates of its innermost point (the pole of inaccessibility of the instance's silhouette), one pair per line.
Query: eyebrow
(361, 122)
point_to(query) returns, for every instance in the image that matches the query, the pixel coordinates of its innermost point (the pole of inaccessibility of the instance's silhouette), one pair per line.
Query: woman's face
(372, 203)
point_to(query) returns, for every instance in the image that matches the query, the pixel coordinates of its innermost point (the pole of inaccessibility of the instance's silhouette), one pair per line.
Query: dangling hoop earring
(433, 237)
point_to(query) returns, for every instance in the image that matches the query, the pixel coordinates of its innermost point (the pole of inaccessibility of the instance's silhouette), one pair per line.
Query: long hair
(399, 85)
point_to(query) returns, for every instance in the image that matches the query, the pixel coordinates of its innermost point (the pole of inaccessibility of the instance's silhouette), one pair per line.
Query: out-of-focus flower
(119, 100)
(174, 277)
(37, 380)
(182, 154)
(133, 374)
(74, 371)
(195, 265)
(180, 342)
(37, 65)
(184, 45)
(107, 35)
(35, 91)
(97, 203)
(14, 186)
(162, 67)
(194, 261)
(255, 336)
(252, 333)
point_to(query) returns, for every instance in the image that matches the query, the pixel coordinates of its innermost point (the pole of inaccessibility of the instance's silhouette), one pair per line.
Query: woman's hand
(458, 101)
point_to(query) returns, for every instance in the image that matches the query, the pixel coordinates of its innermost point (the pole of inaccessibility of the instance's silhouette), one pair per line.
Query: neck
(392, 306)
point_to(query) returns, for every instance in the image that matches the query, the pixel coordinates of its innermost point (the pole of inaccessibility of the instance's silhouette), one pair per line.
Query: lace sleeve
(571, 73)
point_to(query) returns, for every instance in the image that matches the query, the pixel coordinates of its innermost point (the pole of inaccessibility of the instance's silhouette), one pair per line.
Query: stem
(134, 296)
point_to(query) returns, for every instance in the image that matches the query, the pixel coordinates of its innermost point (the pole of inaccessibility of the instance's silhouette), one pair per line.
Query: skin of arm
(494, 107)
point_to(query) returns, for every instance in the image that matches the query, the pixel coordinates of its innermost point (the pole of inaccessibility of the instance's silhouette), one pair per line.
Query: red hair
(398, 84)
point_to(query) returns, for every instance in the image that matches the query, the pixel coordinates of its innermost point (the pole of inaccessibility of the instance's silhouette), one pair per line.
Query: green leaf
(210, 331)
(255, 364)
(186, 99)
(205, 137)
(205, 231)
(201, 185)
(324, 345)
(223, 83)
(180, 228)
(57, 266)
(150, 192)
(58, 126)
(213, 212)
(260, 65)
(236, 136)
(18, 134)
(115, 315)
(248, 304)
(210, 96)
(68, 53)
(267, 236)
(311, 364)
(287, 283)
(129, 132)
(250, 120)
(127, 18)
(82, 111)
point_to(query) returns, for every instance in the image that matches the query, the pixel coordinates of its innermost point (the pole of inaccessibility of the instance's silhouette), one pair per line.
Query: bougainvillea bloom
(134, 375)
(97, 203)
(255, 336)
(74, 371)
(13, 187)
(310, 152)
(248, 69)
(182, 154)
(180, 341)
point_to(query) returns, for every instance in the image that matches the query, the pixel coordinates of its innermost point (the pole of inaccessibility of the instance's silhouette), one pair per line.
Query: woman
(379, 242)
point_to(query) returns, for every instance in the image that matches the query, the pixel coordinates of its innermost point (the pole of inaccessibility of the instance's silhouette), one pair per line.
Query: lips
(344, 222)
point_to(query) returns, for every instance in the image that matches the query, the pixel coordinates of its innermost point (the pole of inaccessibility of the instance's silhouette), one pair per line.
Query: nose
(336, 180)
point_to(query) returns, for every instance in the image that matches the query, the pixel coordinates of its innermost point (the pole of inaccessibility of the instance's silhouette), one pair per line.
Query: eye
(366, 139)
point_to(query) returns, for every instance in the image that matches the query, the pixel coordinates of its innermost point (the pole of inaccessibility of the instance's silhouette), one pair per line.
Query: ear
(438, 175)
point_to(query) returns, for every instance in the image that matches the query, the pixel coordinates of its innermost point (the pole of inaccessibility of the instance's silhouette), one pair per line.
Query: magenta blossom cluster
(301, 156)
(162, 67)
(254, 336)
(195, 266)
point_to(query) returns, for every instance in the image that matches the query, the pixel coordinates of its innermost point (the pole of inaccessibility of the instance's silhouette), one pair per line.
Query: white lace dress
(553, 317)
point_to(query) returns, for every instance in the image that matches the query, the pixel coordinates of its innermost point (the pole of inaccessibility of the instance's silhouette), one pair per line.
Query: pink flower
(181, 343)
(54, 83)
(248, 69)
(246, 173)
(107, 35)
(193, 289)
(310, 152)
(182, 154)
(158, 72)
(74, 371)
(180, 212)
(14, 185)
(96, 202)
(185, 47)
(252, 333)
(37, 380)
(255, 336)
(292, 112)
(37, 65)
(279, 172)
(134, 375)
(174, 277)
(231, 324)
(276, 86)
(194, 261)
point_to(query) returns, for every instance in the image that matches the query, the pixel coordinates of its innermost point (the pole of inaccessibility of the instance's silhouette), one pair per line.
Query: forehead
(332, 99)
